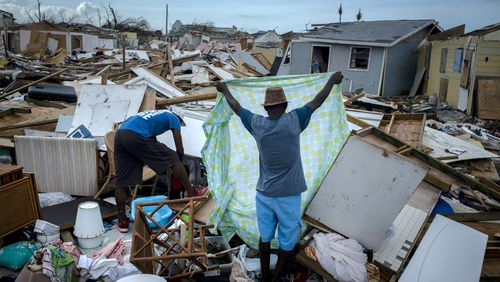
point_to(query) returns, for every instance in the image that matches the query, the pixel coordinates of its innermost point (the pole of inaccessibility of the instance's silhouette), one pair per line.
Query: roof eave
(344, 42)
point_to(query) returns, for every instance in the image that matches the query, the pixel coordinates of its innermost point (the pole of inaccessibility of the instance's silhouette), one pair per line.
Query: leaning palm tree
(359, 15)
(340, 12)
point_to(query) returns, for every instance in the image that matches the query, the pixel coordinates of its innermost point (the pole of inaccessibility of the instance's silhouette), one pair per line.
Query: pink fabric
(115, 249)
(72, 250)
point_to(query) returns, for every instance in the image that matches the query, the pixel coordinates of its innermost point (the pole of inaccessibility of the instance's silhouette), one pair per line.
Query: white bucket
(88, 225)
(46, 231)
(142, 278)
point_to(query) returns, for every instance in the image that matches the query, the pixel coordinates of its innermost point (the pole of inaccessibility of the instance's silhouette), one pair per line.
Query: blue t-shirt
(152, 123)
(278, 140)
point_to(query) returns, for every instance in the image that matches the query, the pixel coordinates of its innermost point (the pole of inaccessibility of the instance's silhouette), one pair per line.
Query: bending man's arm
(178, 143)
(233, 103)
(336, 78)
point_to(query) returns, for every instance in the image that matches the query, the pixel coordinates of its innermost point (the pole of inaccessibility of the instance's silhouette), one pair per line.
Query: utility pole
(166, 21)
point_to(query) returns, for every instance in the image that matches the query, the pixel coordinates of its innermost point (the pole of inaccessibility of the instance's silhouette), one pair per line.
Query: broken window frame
(349, 66)
(457, 61)
(329, 55)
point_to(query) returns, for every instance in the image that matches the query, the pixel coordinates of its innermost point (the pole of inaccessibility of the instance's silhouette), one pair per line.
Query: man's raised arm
(233, 103)
(318, 100)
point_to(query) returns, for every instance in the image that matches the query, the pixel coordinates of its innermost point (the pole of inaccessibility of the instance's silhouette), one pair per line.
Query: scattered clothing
(114, 249)
(342, 258)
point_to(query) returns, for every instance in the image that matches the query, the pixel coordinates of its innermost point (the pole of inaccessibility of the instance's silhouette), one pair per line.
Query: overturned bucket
(88, 225)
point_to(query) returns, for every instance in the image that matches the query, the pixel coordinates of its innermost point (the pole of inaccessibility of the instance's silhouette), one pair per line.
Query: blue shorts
(281, 211)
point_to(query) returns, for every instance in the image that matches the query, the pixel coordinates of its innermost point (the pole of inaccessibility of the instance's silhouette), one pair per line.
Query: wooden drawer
(20, 205)
(9, 173)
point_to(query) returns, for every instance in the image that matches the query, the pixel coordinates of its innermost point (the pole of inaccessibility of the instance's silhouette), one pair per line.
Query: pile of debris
(425, 174)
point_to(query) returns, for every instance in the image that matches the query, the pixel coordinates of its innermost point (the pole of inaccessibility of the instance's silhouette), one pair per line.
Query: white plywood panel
(364, 191)
(157, 83)
(440, 142)
(90, 95)
(449, 251)
(105, 115)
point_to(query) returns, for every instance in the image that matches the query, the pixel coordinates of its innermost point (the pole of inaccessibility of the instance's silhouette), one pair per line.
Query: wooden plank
(438, 182)
(29, 124)
(33, 83)
(473, 217)
(170, 64)
(185, 99)
(488, 98)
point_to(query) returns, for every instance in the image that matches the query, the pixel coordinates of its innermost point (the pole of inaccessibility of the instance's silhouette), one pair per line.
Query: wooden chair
(147, 173)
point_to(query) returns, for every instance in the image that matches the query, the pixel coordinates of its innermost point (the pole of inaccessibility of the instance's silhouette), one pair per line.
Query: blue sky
(270, 14)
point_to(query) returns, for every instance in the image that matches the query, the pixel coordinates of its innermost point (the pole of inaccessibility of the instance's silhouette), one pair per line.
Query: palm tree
(340, 12)
(359, 15)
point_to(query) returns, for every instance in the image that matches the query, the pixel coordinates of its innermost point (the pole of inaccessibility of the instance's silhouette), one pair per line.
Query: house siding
(481, 67)
(400, 67)
(433, 83)
(339, 61)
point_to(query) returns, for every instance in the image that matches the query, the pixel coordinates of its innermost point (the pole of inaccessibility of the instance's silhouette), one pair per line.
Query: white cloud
(57, 12)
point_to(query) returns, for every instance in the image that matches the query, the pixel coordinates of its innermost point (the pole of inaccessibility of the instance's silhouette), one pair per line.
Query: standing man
(281, 179)
(136, 145)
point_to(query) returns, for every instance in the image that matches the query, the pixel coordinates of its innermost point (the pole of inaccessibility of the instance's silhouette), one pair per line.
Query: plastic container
(46, 231)
(142, 278)
(88, 225)
(162, 216)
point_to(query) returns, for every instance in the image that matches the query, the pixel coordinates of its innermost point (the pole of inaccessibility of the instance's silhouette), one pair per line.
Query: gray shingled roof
(384, 32)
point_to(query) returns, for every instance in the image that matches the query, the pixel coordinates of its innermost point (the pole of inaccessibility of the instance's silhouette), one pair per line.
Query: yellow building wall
(453, 77)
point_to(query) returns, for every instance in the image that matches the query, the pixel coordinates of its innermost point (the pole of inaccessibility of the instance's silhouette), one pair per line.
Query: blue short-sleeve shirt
(280, 164)
(152, 123)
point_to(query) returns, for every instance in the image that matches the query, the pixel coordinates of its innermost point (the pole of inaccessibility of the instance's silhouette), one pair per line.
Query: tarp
(232, 159)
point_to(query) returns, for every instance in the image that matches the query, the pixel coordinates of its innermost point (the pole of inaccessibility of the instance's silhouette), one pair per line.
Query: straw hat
(274, 96)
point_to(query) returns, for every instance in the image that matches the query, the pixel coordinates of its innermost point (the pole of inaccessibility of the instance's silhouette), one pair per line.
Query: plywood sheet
(364, 191)
(449, 251)
(91, 95)
(488, 98)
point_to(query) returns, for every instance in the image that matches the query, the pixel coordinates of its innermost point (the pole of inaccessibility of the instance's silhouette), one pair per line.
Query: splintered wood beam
(184, 99)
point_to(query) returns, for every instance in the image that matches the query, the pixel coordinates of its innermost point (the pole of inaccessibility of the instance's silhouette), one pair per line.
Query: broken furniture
(175, 250)
(147, 173)
(19, 198)
(408, 128)
(60, 164)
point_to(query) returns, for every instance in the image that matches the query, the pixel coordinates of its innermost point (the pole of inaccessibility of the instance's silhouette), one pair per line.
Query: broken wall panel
(89, 110)
(449, 251)
(356, 199)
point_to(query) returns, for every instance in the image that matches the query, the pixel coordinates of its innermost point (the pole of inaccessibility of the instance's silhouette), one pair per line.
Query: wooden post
(170, 65)
(123, 56)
